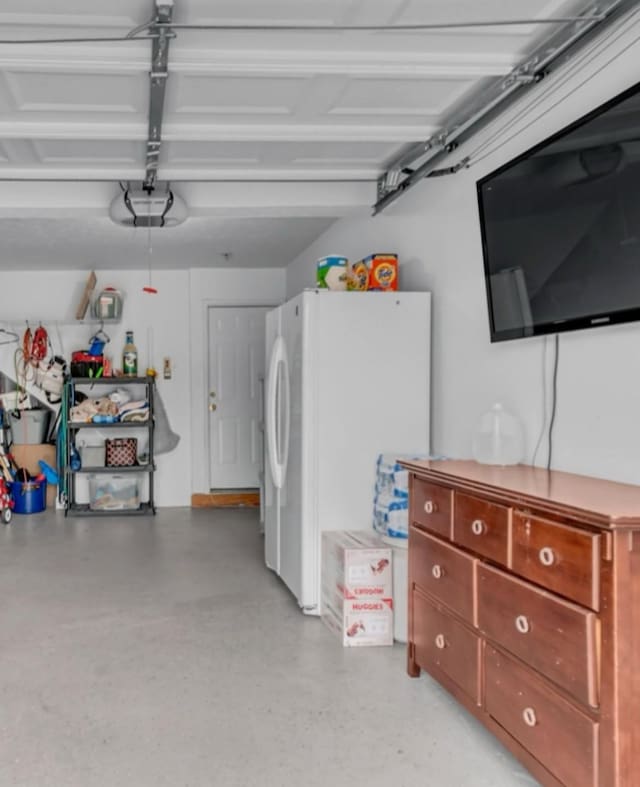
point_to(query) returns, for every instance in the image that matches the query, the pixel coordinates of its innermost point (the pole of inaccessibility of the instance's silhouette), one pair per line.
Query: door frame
(200, 447)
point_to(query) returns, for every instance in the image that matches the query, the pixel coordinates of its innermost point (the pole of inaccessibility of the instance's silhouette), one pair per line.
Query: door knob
(213, 407)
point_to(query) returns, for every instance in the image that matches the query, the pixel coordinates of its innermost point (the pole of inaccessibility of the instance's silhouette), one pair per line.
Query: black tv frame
(557, 326)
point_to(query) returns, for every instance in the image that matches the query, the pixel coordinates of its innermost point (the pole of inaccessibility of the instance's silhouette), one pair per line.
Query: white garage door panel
(51, 151)
(68, 92)
(272, 12)
(238, 95)
(73, 12)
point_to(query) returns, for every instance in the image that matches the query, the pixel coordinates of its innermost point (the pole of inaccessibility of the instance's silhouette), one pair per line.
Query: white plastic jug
(108, 304)
(499, 438)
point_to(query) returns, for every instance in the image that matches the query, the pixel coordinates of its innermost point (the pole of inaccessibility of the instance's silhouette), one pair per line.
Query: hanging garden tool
(29, 357)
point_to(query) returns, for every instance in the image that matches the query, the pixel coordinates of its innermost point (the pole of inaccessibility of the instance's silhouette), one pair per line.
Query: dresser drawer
(555, 637)
(482, 527)
(441, 643)
(560, 558)
(562, 738)
(431, 506)
(443, 572)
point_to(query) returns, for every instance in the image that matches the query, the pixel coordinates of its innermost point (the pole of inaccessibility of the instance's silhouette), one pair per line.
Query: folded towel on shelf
(86, 410)
(134, 411)
(141, 414)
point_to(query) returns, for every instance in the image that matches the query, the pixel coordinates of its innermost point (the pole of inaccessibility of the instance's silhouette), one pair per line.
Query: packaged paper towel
(391, 516)
(391, 497)
(391, 477)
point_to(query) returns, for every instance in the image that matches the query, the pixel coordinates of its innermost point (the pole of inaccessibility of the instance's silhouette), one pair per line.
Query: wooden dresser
(524, 602)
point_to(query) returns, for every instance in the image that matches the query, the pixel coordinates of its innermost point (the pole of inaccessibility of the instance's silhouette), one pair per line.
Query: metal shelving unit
(73, 428)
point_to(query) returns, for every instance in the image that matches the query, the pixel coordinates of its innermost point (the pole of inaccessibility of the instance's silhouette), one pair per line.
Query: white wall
(162, 324)
(435, 230)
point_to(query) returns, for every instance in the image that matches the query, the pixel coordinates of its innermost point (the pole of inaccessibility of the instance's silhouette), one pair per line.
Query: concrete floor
(160, 652)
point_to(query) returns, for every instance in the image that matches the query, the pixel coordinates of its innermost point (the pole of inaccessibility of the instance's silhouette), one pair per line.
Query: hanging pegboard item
(121, 452)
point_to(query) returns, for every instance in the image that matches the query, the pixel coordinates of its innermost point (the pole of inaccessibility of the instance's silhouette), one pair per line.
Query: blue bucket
(30, 497)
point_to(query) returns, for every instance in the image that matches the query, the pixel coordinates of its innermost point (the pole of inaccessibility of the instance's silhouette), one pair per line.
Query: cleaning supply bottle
(75, 463)
(130, 357)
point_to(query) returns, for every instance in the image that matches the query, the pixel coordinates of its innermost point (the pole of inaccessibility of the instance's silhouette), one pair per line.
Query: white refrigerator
(348, 378)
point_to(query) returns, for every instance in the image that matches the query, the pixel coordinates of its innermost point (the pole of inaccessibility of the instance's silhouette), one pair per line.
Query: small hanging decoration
(149, 288)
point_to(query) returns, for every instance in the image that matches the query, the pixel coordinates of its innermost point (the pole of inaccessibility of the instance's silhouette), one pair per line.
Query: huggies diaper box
(357, 588)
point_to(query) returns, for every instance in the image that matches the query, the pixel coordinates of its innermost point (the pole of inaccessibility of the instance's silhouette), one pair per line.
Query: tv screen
(561, 228)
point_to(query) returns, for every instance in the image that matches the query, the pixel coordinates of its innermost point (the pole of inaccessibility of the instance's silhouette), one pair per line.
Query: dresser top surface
(606, 503)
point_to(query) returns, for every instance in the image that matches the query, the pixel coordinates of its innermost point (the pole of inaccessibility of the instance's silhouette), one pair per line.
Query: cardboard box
(383, 272)
(357, 588)
(362, 622)
(357, 564)
(27, 455)
(357, 276)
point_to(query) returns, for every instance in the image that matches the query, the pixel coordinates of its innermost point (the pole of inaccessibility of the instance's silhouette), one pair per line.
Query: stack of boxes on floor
(357, 588)
(364, 574)
(391, 521)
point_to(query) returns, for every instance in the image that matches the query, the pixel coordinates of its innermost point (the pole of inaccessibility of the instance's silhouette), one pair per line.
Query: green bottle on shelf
(130, 357)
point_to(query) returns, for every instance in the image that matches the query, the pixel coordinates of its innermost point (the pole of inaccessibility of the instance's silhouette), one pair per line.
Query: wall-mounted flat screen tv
(561, 228)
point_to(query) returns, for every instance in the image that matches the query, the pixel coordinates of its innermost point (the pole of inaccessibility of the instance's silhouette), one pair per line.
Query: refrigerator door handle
(271, 409)
(277, 442)
(286, 378)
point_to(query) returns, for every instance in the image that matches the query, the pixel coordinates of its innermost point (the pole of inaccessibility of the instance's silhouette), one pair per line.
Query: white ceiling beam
(33, 129)
(51, 200)
(198, 173)
(389, 62)
(218, 132)
(62, 200)
(105, 59)
(108, 59)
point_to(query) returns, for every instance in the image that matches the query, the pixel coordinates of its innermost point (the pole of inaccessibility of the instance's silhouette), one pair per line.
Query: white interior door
(236, 363)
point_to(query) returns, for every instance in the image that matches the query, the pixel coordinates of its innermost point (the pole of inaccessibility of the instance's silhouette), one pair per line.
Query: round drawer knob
(546, 556)
(429, 507)
(522, 624)
(437, 572)
(529, 716)
(440, 642)
(478, 527)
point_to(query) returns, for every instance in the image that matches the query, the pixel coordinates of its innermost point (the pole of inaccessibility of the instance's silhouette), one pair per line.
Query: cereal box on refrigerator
(383, 272)
(331, 272)
(357, 588)
(357, 276)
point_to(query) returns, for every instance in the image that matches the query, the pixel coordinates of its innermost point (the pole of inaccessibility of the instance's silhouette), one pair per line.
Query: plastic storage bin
(92, 455)
(30, 497)
(30, 426)
(114, 492)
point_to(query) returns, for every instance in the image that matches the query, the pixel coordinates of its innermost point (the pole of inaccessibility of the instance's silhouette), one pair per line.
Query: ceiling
(269, 136)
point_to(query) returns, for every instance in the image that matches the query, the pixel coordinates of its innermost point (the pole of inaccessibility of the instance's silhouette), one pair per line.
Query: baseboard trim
(226, 499)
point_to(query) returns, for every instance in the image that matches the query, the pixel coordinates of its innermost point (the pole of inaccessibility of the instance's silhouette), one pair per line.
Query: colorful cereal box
(358, 276)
